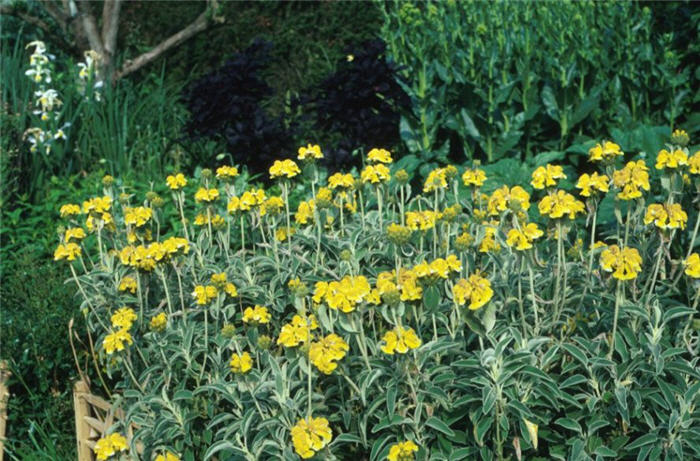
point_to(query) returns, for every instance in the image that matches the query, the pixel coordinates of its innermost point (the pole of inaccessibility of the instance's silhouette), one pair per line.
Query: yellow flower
(437, 179)
(256, 315)
(284, 168)
(115, 341)
(138, 216)
(69, 209)
(310, 152)
(474, 177)
(477, 290)
(402, 451)
(325, 352)
(310, 435)
(69, 252)
(97, 205)
(204, 294)
(626, 262)
(694, 163)
(672, 160)
(273, 205)
(226, 172)
(608, 151)
(343, 181)
(297, 331)
(158, 322)
(422, 220)
(516, 198)
(630, 179)
(546, 176)
(489, 243)
(110, 445)
(667, 216)
(128, 284)
(206, 195)
(281, 234)
(305, 212)
(692, 266)
(123, 318)
(168, 456)
(398, 234)
(593, 183)
(76, 233)
(559, 204)
(400, 340)
(176, 182)
(379, 156)
(522, 238)
(241, 363)
(343, 295)
(375, 174)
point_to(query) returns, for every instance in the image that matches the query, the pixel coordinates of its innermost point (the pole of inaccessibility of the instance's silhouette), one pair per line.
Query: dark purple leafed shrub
(227, 104)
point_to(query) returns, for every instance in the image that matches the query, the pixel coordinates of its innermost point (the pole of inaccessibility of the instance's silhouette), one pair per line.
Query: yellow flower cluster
(439, 268)
(402, 451)
(692, 266)
(625, 263)
(547, 176)
(109, 446)
(407, 285)
(204, 294)
(422, 220)
(694, 163)
(379, 156)
(488, 243)
(75, 233)
(523, 237)
(69, 209)
(257, 315)
(516, 198)
(176, 182)
(310, 152)
(477, 290)
(272, 205)
(226, 172)
(325, 352)
(305, 212)
(241, 363)
(249, 200)
(375, 174)
(633, 177)
(146, 257)
(206, 195)
(559, 204)
(138, 216)
(122, 321)
(400, 340)
(437, 179)
(168, 456)
(608, 152)
(346, 294)
(474, 177)
(297, 331)
(593, 183)
(284, 169)
(68, 251)
(666, 216)
(672, 160)
(340, 180)
(128, 284)
(159, 322)
(311, 435)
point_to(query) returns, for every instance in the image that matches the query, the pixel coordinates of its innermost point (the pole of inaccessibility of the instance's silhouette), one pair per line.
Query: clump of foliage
(478, 318)
(229, 104)
(358, 104)
(488, 82)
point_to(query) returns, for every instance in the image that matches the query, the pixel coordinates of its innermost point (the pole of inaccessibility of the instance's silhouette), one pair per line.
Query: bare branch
(110, 26)
(90, 27)
(40, 23)
(200, 24)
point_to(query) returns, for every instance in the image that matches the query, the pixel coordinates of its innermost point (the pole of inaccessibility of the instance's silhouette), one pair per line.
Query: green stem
(618, 297)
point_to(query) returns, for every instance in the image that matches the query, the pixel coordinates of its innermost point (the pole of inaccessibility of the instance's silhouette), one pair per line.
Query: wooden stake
(82, 428)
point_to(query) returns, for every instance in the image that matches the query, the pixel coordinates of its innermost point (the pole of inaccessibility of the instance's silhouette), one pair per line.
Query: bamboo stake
(82, 429)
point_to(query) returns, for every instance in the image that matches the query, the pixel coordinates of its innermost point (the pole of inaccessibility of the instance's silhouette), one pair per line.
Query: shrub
(228, 104)
(474, 319)
(358, 104)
